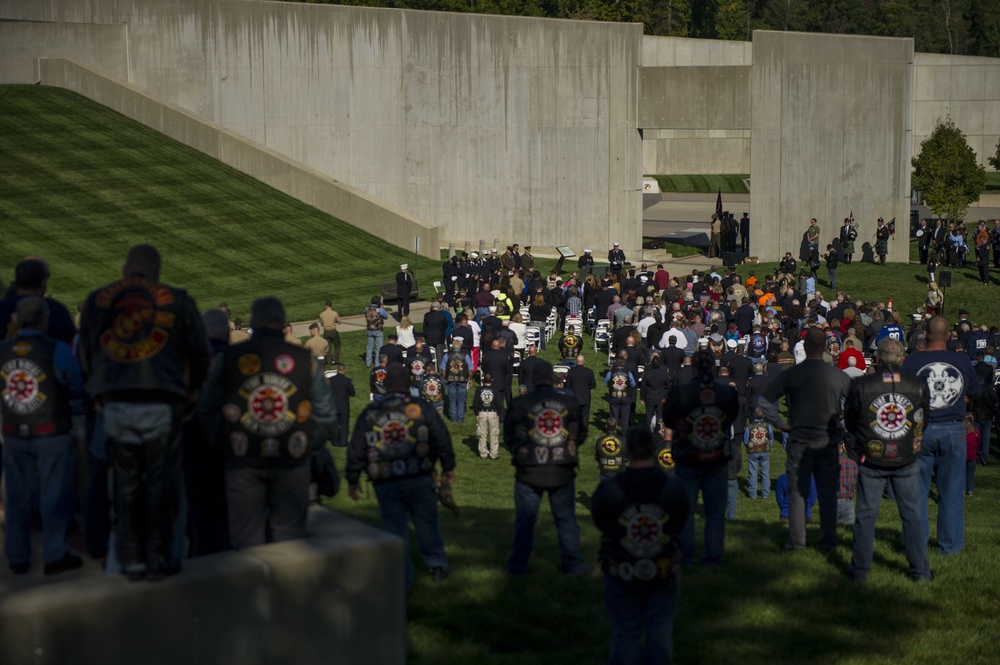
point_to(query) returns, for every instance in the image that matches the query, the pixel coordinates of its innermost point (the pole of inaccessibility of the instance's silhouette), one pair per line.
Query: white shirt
(476, 331)
(682, 340)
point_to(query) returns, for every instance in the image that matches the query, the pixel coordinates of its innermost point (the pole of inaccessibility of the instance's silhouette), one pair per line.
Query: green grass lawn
(80, 185)
(763, 606)
(728, 183)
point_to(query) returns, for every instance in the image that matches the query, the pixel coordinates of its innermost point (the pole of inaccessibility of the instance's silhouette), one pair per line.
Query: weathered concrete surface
(965, 88)
(268, 166)
(101, 47)
(831, 133)
(685, 52)
(337, 596)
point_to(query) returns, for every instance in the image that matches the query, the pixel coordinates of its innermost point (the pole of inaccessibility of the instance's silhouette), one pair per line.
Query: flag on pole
(718, 204)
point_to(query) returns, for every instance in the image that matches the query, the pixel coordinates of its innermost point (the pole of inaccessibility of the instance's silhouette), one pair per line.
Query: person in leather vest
(456, 367)
(621, 391)
(375, 317)
(640, 513)
(541, 429)
(42, 388)
(609, 452)
(418, 360)
(886, 412)
(397, 442)
(697, 415)
(276, 409)
(144, 347)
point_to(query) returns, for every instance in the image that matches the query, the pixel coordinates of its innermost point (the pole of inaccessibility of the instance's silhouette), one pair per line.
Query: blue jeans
(759, 462)
(414, 497)
(943, 453)
(732, 494)
(458, 392)
(374, 343)
(562, 501)
(985, 431)
(45, 468)
(633, 606)
(845, 512)
(713, 485)
(905, 484)
(833, 278)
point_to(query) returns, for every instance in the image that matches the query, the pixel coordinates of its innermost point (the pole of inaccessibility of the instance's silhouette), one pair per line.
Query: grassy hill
(81, 184)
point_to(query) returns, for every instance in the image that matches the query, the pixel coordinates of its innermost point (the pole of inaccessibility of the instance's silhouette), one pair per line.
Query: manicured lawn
(728, 183)
(80, 185)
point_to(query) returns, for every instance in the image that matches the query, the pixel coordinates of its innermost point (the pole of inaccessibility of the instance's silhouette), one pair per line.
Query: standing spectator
(457, 368)
(972, 444)
(815, 391)
(375, 317)
(745, 233)
(144, 347)
(42, 391)
(621, 392)
(697, 415)
(342, 390)
(329, 319)
(950, 379)
(31, 278)
(885, 448)
(541, 429)
(581, 381)
(276, 410)
(638, 512)
(832, 260)
(847, 489)
(485, 405)
(435, 329)
(404, 286)
(609, 452)
(758, 438)
(397, 442)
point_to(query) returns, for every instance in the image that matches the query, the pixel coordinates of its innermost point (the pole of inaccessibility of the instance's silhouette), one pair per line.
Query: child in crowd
(971, 453)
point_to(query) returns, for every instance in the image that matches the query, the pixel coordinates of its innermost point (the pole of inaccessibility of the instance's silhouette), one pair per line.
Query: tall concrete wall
(684, 52)
(270, 167)
(695, 119)
(965, 88)
(831, 132)
(103, 47)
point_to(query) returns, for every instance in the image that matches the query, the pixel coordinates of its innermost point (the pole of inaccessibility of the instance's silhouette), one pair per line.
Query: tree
(948, 172)
(995, 159)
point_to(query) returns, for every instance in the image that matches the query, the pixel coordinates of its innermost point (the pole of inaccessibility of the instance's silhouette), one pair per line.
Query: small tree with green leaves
(995, 159)
(947, 171)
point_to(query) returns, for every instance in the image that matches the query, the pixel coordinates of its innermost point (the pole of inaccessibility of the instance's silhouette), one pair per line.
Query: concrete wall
(684, 52)
(831, 131)
(967, 89)
(336, 597)
(695, 119)
(268, 166)
(491, 127)
(102, 47)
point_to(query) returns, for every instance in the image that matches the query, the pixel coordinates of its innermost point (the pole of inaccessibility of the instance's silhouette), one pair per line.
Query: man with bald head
(144, 347)
(950, 379)
(42, 388)
(815, 391)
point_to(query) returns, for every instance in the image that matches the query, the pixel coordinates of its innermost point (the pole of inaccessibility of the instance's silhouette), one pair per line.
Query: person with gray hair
(144, 347)
(886, 412)
(42, 390)
(276, 413)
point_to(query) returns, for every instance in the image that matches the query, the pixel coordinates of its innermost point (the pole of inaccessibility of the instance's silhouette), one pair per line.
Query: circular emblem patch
(21, 386)
(394, 433)
(284, 364)
(248, 364)
(610, 446)
(298, 443)
(549, 424)
(705, 430)
(267, 404)
(22, 379)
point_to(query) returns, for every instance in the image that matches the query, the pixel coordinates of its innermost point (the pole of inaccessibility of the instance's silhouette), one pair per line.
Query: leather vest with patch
(456, 369)
(34, 404)
(610, 456)
(546, 431)
(397, 438)
(619, 386)
(267, 410)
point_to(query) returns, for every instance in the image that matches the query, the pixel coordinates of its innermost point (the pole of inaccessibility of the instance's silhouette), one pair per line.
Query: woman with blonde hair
(404, 333)
(935, 298)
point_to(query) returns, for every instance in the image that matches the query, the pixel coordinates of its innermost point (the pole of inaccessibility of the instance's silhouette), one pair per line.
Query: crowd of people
(212, 435)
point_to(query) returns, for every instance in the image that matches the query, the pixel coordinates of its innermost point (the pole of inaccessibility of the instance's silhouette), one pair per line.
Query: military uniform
(329, 319)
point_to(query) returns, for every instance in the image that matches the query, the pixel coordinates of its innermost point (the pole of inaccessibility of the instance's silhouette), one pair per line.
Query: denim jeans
(985, 431)
(374, 343)
(905, 484)
(943, 454)
(732, 495)
(458, 392)
(43, 468)
(713, 485)
(759, 462)
(970, 476)
(845, 512)
(413, 497)
(633, 606)
(562, 501)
